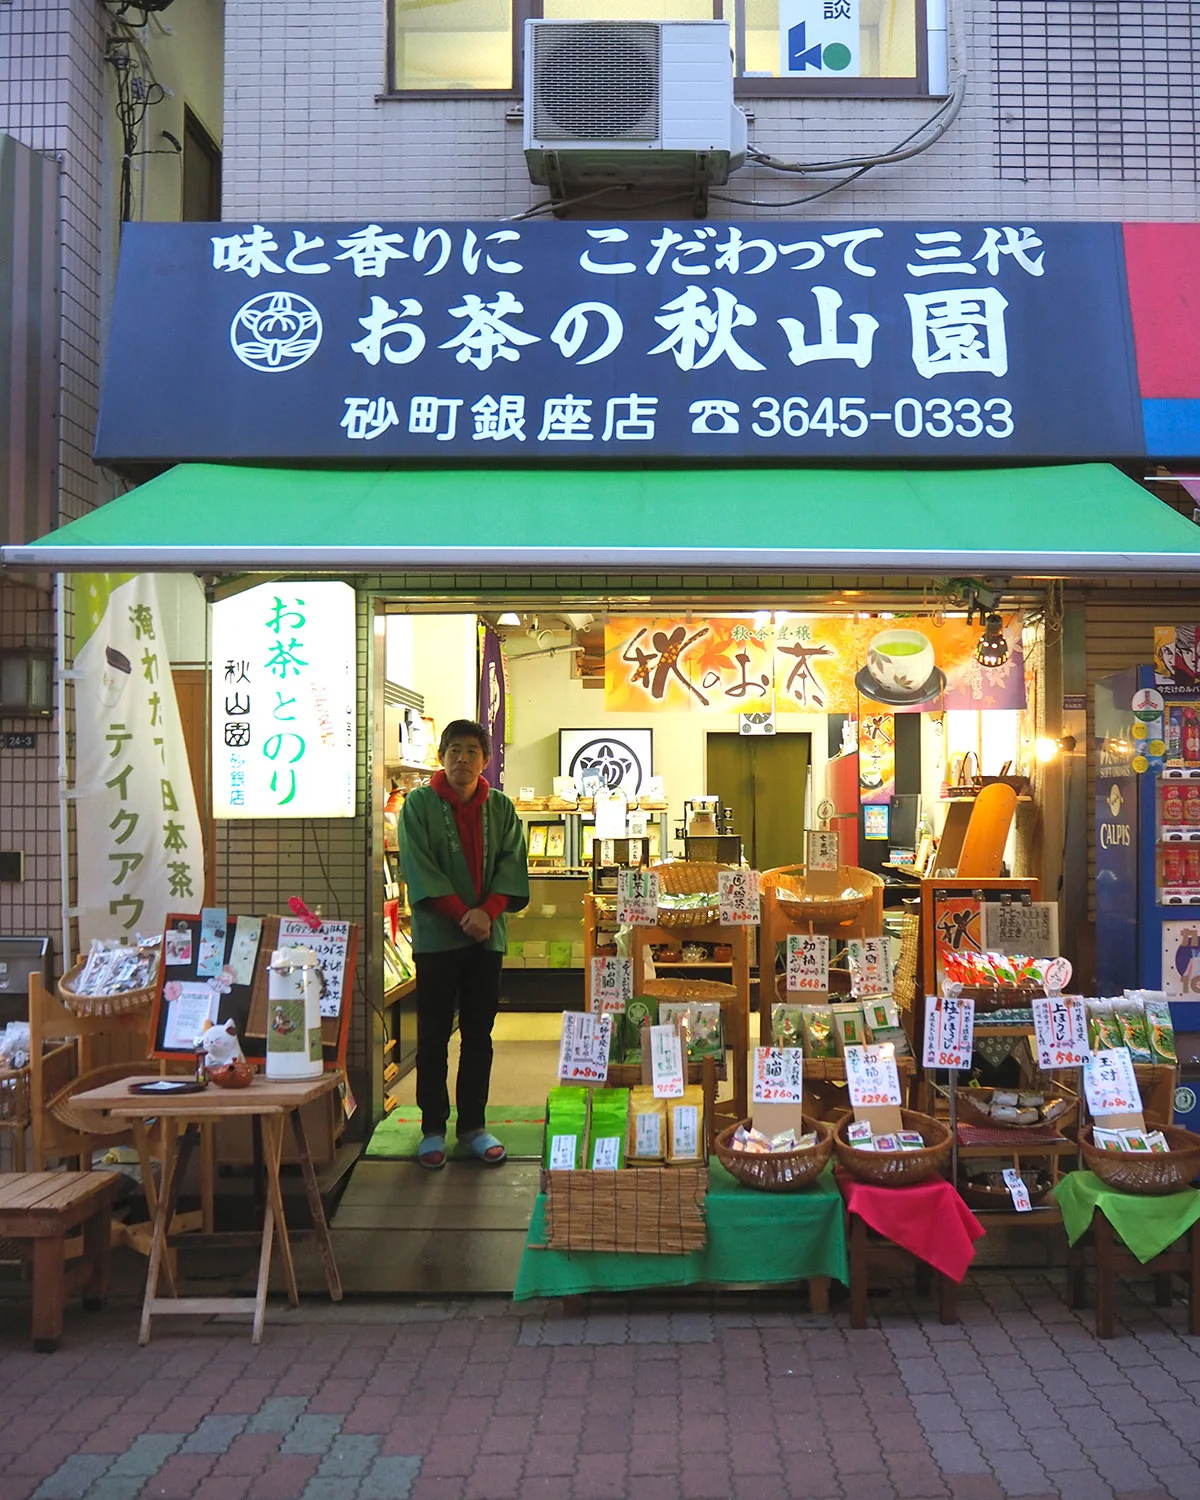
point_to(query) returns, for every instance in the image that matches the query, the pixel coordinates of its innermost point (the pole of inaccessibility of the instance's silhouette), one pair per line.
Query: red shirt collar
(440, 782)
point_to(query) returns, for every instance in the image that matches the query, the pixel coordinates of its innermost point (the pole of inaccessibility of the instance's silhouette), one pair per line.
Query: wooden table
(1113, 1259)
(269, 1104)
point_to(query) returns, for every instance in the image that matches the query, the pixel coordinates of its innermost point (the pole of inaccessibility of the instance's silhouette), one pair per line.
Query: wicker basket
(639, 1210)
(103, 1005)
(1002, 996)
(777, 1171)
(93, 1121)
(686, 877)
(789, 881)
(629, 1075)
(1151, 1173)
(897, 1168)
(968, 1114)
(58, 1066)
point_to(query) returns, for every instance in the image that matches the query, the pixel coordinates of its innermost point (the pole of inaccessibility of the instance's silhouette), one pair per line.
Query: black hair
(462, 729)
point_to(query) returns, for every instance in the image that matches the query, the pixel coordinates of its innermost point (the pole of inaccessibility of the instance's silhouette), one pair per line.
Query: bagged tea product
(1161, 1030)
(685, 1126)
(641, 1010)
(1104, 1030)
(566, 1127)
(647, 1125)
(819, 1037)
(849, 1027)
(882, 1017)
(608, 1130)
(787, 1026)
(703, 1033)
(1130, 1016)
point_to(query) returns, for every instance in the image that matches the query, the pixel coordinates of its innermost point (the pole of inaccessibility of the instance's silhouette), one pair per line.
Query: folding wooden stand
(1111, 1259)
(870, 1251)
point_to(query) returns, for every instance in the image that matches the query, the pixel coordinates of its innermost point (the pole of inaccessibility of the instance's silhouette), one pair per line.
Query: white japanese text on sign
(778, 1075)
(808, 962)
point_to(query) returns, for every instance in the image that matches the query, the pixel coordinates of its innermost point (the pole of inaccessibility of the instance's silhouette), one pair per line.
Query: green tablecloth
(1146, 1224)
(754, 1239)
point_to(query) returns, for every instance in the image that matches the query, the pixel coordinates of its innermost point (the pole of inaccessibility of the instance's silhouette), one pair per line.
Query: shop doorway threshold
(400, 1229)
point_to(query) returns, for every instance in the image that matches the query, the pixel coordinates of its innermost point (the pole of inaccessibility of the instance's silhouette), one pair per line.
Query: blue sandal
(484, 1146)
(431, 1153)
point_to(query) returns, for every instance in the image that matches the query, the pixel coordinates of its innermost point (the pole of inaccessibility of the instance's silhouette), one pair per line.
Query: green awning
(1068, 520)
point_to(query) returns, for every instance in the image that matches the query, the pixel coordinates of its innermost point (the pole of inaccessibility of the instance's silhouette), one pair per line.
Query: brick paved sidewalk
(736, 1399)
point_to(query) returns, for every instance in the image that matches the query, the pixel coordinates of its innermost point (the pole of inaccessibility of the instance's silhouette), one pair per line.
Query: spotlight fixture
(992, 650)
(1046, 748)
(509, 618)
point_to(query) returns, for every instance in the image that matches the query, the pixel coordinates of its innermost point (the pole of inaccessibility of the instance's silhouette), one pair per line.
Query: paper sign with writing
(871, 1075)
(870, 966)
(246, 937)
(330, 944)
(666, 1062)
(685, 1129)
(808, 962)
(738, 897)
(637, 897)
(562, 1152)
(1019, 927)
(1111, 1084)
(611, 983)
(606, 1153)
(1017, 1190)
(1060, 1032)
(635, 824)
(949, 1032)
(189, 1005)
(583, 1051)
(778, 1076)
(1056, 975)
(821, 849)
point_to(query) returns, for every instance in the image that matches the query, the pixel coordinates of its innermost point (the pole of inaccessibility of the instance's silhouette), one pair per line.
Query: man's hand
(477, 924)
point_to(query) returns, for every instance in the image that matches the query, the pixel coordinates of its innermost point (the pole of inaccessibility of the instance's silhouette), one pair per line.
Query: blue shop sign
(790, 342)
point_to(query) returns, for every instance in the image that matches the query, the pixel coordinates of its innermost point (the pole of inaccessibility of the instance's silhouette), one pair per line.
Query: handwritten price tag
(871, 1075)
(611, 983)
(637, 897)
(737, 892)
(1060, 1032)
(870, 966)
(1017, 1190)
(949, 1032)
(1111, 1084)
(821, 849)
(666, 1062)
(583, 1050)
(778, 1075)
(808, 963)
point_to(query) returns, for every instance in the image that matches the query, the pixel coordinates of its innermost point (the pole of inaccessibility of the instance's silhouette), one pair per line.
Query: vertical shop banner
(283, 702)
(493, 699)
(876, 758)
(818, 39)
(957, 928)
(139, 848)
(806, 664)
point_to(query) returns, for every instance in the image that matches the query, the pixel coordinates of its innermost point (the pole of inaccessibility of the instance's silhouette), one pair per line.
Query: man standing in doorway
(462, 855)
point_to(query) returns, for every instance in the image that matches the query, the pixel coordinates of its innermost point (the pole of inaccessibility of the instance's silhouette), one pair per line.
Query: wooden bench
(44, 1207)
(1113, 1259)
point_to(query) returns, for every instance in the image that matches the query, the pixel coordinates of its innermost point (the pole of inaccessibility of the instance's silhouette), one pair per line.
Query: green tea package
(685, 1126)
(703, 1031)
(566, 1127)
(816, 1023)
(641, 1011)
(1159, 1027)
(883, 1023)
(647, 1125)
(608, 1130)
(850, 1029)
(1130, 1014)
(787, 1027)
(1104, 1030)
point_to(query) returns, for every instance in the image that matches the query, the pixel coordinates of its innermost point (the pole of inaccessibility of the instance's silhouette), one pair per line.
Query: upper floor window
(814, 47)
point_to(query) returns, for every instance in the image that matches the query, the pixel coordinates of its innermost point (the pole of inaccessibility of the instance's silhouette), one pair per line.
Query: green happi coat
(433, 864)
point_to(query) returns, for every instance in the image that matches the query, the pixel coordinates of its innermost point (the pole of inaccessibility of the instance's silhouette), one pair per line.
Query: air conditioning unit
(630, 103)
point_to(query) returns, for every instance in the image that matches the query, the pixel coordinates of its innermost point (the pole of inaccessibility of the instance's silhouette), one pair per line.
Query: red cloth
(928, 1219)
(468, 819)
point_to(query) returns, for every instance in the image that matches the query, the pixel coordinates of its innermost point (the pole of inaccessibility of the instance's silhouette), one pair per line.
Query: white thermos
(294, 1014)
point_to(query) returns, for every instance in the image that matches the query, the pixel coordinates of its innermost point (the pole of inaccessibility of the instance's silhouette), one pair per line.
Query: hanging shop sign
(793, 342)
(807, 664)
(140, 850)
(283, 702)
(818, 39)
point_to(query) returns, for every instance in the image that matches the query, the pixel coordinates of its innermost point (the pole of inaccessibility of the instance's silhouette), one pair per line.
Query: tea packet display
(608, 1130)
(647, 1126)
(849, 1027)
(882, 1017)
(786, 1026)
(641, 1011)
(566, 1127)
(1130, 1015)
(1160, 1029)
(685, 1126)
(703, 1031)
(817, 1024)
(1104, 1030)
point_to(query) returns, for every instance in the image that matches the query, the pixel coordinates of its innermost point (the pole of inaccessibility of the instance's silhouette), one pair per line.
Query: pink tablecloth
(928, 1219)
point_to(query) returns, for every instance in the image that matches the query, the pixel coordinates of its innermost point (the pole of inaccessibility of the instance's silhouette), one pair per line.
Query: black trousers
(466, 980)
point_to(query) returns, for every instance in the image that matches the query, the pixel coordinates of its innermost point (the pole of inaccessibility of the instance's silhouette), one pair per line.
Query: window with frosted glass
(452, 44)
(766, 44)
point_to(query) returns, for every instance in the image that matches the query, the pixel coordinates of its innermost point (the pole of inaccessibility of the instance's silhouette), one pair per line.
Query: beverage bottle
(1173, 866)
(1191, 738)
(1174, 733)
(1191, 865)
(1172, 803)
(1191, 804)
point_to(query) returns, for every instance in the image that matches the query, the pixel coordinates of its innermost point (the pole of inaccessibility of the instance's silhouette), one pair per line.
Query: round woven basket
(688, 877)
(102, 1005)
(93, 1121)
(802, 908)
(777, 1171)
(897, 1168)
(968, 1114)
(629, 1075)
(1149, 1173)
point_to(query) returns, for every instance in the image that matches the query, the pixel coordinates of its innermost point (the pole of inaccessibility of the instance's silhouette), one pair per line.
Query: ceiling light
(509, 618)
(992, 650)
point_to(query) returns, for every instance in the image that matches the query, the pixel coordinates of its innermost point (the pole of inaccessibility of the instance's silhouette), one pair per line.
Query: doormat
(519, 1126)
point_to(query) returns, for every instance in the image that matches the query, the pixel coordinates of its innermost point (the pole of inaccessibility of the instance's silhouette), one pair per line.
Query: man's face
(464, 762)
